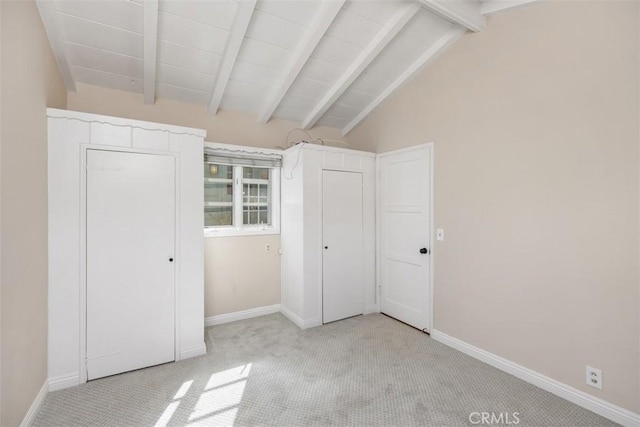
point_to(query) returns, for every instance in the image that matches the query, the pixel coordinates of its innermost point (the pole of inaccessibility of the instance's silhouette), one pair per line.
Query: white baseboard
(298, 321)
(311, 323)
(371, 309)
(241, 315)
(30, 417)
(292, 316)
(601, 407)
(190, 352)
(63, 381)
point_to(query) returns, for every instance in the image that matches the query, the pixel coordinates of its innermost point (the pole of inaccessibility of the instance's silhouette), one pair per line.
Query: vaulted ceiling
(316, 62)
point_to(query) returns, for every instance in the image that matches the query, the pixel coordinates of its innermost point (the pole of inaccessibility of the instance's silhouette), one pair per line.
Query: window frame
(239, 228)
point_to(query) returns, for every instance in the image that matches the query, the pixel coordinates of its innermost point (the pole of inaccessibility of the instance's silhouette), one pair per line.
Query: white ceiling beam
(244, 12)
(438, 47)
(328, 11)
(492, 6)
(49, 19)
(462, 12)
(379, 42)
(150, 34)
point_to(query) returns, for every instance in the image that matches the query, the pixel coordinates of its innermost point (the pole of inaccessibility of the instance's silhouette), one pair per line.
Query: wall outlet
(440, 234)
(594, 377)
(268, 248)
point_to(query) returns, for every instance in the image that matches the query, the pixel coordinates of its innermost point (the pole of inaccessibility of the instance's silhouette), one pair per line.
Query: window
(241, 193)
(218, 195)
(255, 196)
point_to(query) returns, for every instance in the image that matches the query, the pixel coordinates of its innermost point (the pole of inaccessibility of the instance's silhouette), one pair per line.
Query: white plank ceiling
(316, 62)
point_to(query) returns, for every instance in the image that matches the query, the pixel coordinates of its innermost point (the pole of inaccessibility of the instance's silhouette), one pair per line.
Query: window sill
(236, 232)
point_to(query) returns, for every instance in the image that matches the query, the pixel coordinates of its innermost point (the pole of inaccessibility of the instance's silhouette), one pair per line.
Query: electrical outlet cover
(594, 377)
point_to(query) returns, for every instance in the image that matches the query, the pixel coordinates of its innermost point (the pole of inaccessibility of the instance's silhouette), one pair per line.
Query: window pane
(256, 203)
(217, 216)
(218, 192)
(218, 195)
(218, 171)
(255, 173)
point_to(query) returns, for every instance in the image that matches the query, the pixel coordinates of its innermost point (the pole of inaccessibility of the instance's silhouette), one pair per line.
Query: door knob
(326, 247)
(170, 259)
(424, 251)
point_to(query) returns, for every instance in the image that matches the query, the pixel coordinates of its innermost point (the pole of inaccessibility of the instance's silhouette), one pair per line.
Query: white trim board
(388, 32)
(339, 150)
(150, 48)
(429, 55)
(601, 407)
(64, 381)
(192, 352)
(372, 309)
(492, 6)
(297, 320)
(321, 22)
(31, 414)
(464, 13)
(244, 11)
(123, 122)
(241, 315)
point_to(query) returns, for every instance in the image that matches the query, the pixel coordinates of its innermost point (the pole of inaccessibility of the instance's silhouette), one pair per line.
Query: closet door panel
(343, 249)
(130, 261)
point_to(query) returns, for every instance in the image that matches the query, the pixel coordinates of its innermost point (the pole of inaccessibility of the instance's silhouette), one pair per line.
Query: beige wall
(239, 273)
(535, 124)
(30, 82)
(1, 216)
(249, 278)
(229, 127)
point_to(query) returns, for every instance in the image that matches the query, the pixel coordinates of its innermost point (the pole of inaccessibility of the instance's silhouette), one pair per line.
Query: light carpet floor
(364, 371)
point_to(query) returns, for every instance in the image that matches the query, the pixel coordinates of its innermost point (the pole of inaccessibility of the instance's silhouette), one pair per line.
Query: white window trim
(234, 231)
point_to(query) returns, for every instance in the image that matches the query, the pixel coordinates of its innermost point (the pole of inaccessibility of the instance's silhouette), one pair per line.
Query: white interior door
(342, 240)
(130, 265)
(404, 191)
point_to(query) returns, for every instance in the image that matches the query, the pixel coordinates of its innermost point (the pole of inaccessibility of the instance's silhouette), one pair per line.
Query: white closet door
(404, 187)
(342, 239)
(130, 265)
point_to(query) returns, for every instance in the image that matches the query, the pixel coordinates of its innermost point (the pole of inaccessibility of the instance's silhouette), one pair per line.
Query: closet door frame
(83, 246)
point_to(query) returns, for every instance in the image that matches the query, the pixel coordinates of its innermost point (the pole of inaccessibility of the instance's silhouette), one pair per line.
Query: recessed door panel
(343, 250)
(130, 261)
